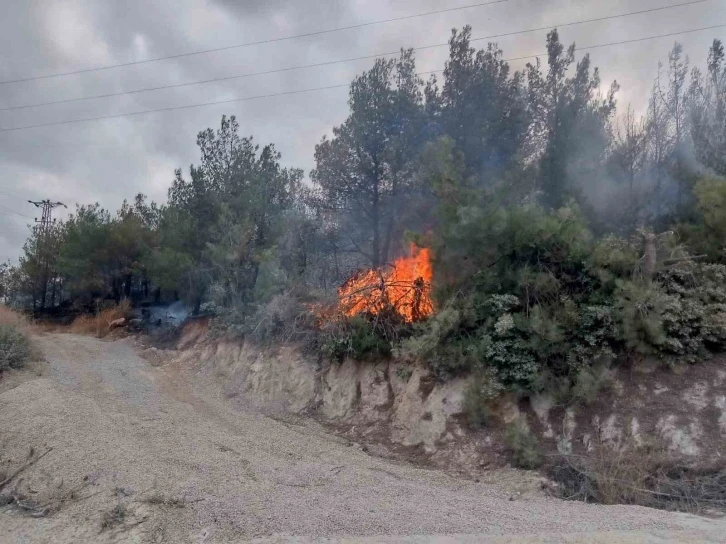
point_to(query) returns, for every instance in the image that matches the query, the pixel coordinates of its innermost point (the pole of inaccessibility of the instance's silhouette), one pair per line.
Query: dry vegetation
(645, 475)
(116, 516)
(99, 324)
(16, 348)
(159, 499)
(12, 318)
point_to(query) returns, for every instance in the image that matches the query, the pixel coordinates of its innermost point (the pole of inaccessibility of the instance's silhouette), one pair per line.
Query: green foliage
(528, 299)
(366, 172)
(584, 388)
(169, 268)
(14, 347)
(571, 121)
(482, 388)
(524, 446)
(361, 337)
(680, 317)
(404, 373)
(639, 307)
(482, 109)
(708, 235)
(589, 383)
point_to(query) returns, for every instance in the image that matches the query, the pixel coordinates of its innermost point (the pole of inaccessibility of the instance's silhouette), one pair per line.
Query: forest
(560, 231)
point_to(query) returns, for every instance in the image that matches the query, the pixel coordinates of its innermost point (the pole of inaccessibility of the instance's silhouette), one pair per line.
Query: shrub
(360, 337)
(541, 303)
(708, 234)
(680, 317)
(589, 383)
(116, 516)
(15, 349)
(523, 445)
(536, 300)
(482, 388)
(644, 475)
(404, 373)
(283, 319)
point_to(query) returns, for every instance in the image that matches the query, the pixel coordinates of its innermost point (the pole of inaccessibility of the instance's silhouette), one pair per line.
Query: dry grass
(98, 324)
(646, 476)
(11, 317)
(116, 516)
(159, 499)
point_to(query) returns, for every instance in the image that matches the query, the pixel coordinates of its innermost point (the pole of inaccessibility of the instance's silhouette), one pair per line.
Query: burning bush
(405, 289)
(377, 308)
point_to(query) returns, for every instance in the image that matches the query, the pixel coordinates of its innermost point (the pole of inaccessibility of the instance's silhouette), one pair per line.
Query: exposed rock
(400, 404)
(696, 396)
(635, 432)
(720, 403)
(610, 433)
(341, 389)
(564, 441)
(680, 439)
(542, 404)
(116, 323)
(659, 389)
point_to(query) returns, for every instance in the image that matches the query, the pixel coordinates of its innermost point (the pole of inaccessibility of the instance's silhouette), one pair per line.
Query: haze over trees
(539, 196)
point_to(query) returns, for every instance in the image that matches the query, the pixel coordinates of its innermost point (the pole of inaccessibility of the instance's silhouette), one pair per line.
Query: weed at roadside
(116, 516)
(524, 446)
(159, 499)
(642, 475)
(15, 348)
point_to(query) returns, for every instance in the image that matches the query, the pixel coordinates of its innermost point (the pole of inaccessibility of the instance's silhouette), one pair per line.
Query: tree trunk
(649, 258)
(375, 217)
(52, 294)
(127, 285)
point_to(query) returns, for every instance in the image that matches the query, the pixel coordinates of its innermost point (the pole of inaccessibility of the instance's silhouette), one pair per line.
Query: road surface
(139, 456)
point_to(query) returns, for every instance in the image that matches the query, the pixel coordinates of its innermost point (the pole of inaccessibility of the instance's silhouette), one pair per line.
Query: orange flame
(405, 287)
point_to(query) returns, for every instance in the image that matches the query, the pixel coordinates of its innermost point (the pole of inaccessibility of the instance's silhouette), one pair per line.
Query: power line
(302, 91)
(365, 57)
(174, 108)
(13, 211)
(594, 20)
(11, 194)
(350, 27)
(623, 42)
(260, 42)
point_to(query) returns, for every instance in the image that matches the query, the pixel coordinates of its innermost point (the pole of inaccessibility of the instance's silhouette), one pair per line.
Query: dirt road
(139, 457)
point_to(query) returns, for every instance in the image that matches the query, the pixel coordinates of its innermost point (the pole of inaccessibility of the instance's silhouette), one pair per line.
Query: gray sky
(109, 160)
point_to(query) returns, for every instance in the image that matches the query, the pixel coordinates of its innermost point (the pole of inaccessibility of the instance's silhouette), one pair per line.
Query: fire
(405, 287)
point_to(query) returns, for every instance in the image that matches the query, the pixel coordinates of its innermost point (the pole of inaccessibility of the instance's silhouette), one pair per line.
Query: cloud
(115, 159)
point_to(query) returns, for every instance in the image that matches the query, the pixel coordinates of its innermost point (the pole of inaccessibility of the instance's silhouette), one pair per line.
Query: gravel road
(138, 447)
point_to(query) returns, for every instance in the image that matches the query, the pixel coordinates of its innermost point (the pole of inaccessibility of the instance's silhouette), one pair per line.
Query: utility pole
(45, 223)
